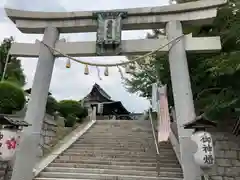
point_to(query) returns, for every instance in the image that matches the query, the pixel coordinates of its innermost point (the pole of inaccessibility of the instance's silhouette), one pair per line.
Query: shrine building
(106, 107)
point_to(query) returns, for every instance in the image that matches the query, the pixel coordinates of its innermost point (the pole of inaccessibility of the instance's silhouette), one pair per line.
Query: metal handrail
(156, 143)
(154, 134)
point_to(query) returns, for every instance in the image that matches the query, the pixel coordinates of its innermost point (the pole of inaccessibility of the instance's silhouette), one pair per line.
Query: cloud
(2, 15)
(35, 5)
(110, 4)
(72, 83)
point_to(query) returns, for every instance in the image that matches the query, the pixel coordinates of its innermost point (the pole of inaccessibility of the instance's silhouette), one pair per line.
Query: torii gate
(51, 24)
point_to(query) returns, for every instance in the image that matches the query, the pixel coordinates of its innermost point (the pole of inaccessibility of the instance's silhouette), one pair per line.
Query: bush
(52, 105)
(72, 107)
(12, 98)
(82, 114)
(70, 120)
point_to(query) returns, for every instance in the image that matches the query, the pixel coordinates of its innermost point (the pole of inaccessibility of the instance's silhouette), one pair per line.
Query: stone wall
(227, 152)
(48, 134)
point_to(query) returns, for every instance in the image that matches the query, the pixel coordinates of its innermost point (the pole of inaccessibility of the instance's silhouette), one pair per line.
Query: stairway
(119, 150)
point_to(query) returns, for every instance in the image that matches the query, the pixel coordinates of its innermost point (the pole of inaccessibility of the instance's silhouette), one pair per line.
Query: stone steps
(175, 168)
(114, 143)
(117, 154)
(112, 162)
(112, 171)
(107, 147)
(103, 148)
(134, 146)
(107, 156)
(115, 150)
(101, 176)
(119, 136)
(105, 139)
(116, 136)
(118, 159)
(96, 143)
(112, 178)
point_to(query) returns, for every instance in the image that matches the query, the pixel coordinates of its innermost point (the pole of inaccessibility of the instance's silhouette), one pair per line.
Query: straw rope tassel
(132, 66)
(120, 71)
(86, 70)
(127, 69)
(106, 73)
(98, 72)
(68, 63)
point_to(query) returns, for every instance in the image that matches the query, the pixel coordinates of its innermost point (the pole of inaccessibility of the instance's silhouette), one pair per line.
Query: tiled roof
(7, 120)
(100, 91)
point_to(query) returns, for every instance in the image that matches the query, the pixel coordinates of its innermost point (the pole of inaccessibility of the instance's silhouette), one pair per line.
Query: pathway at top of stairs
(114, 150)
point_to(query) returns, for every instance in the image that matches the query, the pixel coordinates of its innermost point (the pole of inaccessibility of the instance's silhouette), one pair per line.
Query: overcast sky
(72, 83)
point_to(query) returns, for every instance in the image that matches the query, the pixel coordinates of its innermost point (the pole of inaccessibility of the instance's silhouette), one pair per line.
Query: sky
(72, 83)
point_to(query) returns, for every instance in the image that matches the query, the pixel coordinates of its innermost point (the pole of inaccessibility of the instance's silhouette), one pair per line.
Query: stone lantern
(204, 156)
(10, 134)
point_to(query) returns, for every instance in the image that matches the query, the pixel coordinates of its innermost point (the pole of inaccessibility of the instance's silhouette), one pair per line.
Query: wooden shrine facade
(110, 109)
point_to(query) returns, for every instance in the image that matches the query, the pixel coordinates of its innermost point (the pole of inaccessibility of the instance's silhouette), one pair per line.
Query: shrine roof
(98, 89)
(101, 91)
(109, 104)
(116, 107)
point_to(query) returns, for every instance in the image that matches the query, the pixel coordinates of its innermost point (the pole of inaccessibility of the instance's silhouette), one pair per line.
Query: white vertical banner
(154, 97)
(100, 108)
(163, 115)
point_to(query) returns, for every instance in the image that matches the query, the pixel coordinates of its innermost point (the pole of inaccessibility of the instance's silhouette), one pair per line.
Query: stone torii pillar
(183, 99)
(26, 153)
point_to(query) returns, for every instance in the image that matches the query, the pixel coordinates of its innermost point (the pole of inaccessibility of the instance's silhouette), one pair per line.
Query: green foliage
(12, 98)
(14, 71)
(214, 77)
(71, 120)
(82, 114)
(72, 107)
(52, 105)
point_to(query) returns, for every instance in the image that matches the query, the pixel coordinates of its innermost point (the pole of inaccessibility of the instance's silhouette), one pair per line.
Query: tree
(52, 105)
(12, 98)
(14, 72)
(214, 77)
